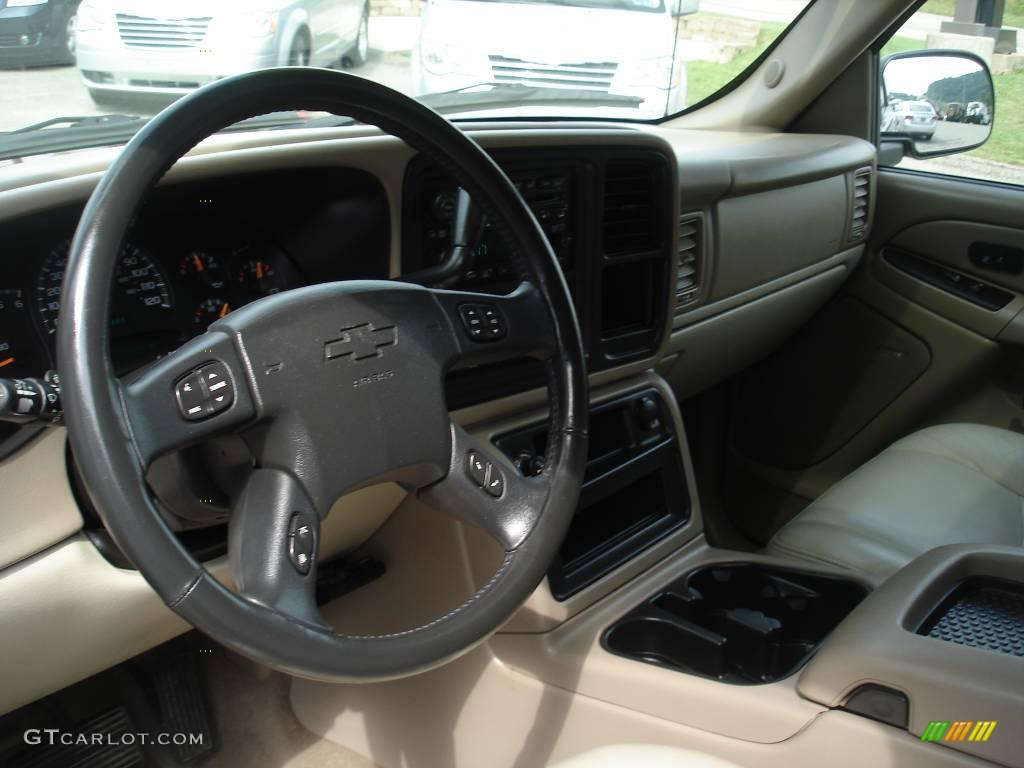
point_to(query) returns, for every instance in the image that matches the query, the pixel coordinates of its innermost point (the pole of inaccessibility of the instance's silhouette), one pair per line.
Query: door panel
(959, 244)
(928, 277)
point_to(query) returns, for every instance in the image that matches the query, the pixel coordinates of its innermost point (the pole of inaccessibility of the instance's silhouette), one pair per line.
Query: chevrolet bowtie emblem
(361, 341)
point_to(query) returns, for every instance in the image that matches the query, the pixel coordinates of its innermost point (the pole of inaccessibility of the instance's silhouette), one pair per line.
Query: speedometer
(140, 289)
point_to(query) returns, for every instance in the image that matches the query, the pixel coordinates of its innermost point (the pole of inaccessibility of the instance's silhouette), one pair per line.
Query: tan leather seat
(643, 756)
(953, 484)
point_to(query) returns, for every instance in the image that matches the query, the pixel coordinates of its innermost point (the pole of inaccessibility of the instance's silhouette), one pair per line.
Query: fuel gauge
(256, 278)
(210, 310)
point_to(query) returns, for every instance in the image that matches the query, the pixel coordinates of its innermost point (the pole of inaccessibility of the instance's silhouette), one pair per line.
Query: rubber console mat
(151, 712)
(981, 613)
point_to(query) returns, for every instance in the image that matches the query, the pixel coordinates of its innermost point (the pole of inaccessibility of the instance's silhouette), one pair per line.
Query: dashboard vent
(861, 204)
(632, 205)
(689, 261)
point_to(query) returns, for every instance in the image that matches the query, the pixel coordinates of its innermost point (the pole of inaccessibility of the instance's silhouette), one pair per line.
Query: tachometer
(140, 289)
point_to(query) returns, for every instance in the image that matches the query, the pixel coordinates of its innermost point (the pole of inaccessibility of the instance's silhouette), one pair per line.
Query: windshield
(77, 74)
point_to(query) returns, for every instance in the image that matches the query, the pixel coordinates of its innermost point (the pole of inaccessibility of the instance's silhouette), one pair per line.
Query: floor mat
(150, 712)
(232, 713)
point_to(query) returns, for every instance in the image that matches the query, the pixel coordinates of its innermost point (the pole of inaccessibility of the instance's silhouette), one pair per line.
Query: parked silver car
(917, 119)
(169, 47)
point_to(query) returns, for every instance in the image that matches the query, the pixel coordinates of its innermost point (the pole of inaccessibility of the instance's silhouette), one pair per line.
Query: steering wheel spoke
(198, 391)
(490, 329)
(273, 546)
(482, 490)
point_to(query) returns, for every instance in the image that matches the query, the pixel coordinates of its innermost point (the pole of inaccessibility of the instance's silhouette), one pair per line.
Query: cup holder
(740, 623)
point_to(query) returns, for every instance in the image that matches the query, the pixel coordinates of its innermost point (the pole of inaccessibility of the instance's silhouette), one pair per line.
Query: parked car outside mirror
(37, 32)
(936, 102)
(598, 53)
(916, 119)
(166, 48)
(685, 7)
(978, 113)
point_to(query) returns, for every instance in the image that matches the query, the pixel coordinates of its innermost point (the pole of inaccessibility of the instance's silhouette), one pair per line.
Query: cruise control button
(495, 484)
(218, 402)
(301, 543)
(477, 467)
(215, 378)
(191, 400)
(483, 322)
(205, 392)
(216, 382)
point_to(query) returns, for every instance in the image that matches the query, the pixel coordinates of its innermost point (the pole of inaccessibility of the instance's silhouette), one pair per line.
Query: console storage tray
(981, 613)
(741, 623)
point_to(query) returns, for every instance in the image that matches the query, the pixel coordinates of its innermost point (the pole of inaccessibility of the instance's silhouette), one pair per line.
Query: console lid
(947, 631)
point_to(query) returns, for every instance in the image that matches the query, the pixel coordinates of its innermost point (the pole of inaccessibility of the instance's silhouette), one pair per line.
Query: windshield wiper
(499, 95)
(78, 122)
(60, 133)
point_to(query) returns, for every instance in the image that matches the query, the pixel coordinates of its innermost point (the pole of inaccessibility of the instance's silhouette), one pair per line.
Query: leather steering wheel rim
(116, 428)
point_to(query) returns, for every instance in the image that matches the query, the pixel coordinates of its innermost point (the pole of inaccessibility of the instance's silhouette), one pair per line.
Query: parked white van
(578, 54)
(165, 48)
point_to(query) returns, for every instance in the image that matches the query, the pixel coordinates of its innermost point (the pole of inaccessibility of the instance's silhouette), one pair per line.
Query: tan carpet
(255, 722)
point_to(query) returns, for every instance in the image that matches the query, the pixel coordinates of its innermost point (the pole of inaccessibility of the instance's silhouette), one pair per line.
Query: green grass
(899, 44)
(1013, 16)
(1007, 141)
(704, 78)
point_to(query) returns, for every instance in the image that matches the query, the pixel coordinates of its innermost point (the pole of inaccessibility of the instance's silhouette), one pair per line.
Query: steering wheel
(334, 387)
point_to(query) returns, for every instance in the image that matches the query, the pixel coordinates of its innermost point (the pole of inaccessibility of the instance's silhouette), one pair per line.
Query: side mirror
(936, 102)
(684, 7)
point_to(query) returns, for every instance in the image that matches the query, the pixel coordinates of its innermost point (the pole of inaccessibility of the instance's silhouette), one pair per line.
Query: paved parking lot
(33, 95)
(951, 135)
(41, 93)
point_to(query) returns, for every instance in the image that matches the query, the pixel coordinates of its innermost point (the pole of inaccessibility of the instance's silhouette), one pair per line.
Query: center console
(739, 622)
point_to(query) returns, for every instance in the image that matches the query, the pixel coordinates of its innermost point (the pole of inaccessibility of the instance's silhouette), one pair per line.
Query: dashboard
(195, 253)
(678, 277)
(199, 251)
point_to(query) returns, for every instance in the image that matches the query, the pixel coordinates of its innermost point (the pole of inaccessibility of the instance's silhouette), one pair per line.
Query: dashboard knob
(650, 413)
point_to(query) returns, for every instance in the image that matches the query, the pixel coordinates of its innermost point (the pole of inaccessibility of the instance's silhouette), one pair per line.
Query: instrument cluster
(196, 251)
(163, 296)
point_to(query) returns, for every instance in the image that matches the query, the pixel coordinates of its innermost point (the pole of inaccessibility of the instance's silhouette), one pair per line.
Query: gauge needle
(198, 263)
(8, 361)
(223, 310)
(259, 270)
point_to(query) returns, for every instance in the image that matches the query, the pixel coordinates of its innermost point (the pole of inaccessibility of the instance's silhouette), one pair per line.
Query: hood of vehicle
(547, 33)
